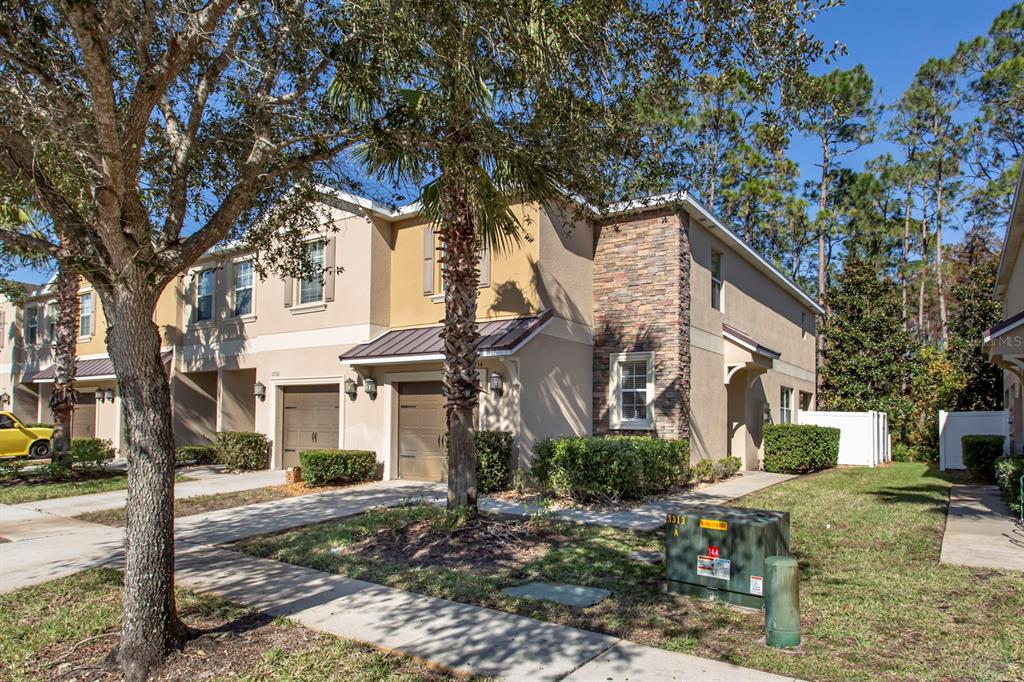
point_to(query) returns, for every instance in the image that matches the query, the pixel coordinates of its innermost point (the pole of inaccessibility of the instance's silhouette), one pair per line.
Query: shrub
(90, 453)
(243, 450)
(980, 455)
(701, 471)
(195, 454)
(725, 467)
(39, 425)
(493, 460)
(800, 448)
(1008, 472)
(610, 468)
(10, 467)
(320, 467)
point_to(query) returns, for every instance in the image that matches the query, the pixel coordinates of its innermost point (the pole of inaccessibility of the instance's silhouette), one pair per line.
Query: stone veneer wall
(642, 303)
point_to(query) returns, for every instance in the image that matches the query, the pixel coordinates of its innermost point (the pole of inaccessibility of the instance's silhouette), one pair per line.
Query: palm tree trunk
(460, 259)
(151, 628)
(63, 396)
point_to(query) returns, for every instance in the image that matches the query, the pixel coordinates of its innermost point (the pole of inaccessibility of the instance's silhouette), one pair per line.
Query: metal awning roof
(1006, 325)
(748, 342)
(497, 337)
(93, 368)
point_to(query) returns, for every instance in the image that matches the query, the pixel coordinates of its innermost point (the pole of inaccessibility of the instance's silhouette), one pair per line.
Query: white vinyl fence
(863, 436)
(955, 425)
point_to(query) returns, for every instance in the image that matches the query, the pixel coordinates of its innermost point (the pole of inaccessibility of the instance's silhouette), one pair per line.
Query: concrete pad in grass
(569, 595)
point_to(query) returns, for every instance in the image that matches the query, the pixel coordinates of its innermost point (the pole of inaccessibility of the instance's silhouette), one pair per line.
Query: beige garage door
(421, 432)
(83, 419)
(310, 420)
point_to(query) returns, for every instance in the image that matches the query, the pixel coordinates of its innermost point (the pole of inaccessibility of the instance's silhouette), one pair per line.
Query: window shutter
(95, 314)
(614, 412)
(485, 266)
(227, 293)
(289, 291)
(329, 274)
(428, 260)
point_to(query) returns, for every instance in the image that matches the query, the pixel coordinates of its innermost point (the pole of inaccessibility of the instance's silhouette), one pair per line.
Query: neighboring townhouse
(1005, 341)
(30, 332)
(654, 318)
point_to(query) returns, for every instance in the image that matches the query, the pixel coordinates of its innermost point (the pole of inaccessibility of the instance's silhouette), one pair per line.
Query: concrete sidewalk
(981, 530)
(38, 556)
(649, 515)
(208, 483)
(459, 637)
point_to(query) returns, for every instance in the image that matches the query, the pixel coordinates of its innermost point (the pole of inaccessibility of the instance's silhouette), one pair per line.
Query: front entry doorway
(421, 432)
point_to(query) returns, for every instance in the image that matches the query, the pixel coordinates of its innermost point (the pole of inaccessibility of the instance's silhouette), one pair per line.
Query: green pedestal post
(781, 602)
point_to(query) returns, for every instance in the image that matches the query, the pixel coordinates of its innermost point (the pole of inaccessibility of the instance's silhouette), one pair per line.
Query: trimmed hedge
(39, 425)
(1008, 472)
(186, 455)
(90, 453)
(800, 448)
(493, 461)
(243, 450)
(610, 468)
(980, 455)
(320, 467)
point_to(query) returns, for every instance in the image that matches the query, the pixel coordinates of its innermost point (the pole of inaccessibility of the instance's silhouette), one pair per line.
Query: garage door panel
(421, 429)
(310, 420)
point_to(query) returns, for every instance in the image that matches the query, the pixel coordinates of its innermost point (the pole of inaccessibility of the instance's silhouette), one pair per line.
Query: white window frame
(717, 280)
(89, 319)
(234, 290)
(51, 322)
(299, 303)
(198, 278)
(615, 418)
(32, 340)
(785, 405)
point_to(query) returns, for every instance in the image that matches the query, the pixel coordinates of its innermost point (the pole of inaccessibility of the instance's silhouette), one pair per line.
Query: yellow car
(18, 440)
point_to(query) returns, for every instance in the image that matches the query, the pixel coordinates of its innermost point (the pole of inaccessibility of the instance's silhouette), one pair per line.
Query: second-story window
(716, 280)
(31, 326)
(242, 293)
(51, 322)
(204, 295)
(85, 317)
(312, 290)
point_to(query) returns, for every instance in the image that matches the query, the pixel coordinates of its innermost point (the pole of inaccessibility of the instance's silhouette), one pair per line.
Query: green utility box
(719, 552)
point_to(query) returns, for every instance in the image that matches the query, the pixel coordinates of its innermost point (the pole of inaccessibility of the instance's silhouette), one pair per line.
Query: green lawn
(875, 602)
(30, 489)
(64, 628)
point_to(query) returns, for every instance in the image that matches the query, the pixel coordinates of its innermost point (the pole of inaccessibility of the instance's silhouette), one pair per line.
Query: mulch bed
(482, 545)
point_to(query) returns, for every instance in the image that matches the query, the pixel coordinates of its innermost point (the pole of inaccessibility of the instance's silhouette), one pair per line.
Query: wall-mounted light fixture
(5, 398)
(100, 395)
(350, 389)
(259, 390)
(109, 395)
(370, 386)
(496, 383)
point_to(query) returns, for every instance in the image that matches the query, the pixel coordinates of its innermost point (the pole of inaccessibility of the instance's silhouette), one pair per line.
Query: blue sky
(891, 38)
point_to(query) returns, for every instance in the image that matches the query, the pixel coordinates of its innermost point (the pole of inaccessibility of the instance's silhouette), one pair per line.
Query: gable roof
(682, 199)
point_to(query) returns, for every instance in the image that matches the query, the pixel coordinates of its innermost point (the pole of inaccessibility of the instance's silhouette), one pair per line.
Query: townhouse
(1005, 341)
(654, 318)
(26, 359)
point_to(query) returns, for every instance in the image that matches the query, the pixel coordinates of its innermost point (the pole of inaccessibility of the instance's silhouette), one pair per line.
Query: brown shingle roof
(495, 336)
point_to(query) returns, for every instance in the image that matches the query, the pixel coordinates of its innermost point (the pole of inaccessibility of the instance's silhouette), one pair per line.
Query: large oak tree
(148, 132)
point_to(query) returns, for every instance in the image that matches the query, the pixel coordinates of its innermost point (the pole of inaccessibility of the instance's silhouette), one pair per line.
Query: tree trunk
(822, 200)
(460, 259)
(151, 628)
(922, 278)
(905, 258)
(940, 283)
(63, 395)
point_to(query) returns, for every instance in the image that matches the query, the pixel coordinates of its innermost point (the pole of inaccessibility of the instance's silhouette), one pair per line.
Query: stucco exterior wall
(1013, 387)
(512, 290)
(564, 275)
(775, 317)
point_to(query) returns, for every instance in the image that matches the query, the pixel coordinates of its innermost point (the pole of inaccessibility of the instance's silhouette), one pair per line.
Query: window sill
(633, 426)
(204, 324)
(84, 339)
(437, 298)
(242, 318)
(308, 308)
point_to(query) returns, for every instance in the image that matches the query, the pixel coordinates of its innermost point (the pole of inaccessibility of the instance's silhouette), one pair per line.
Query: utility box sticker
(712, 567)
(757, 585)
